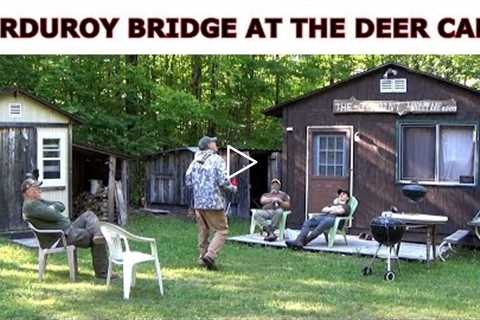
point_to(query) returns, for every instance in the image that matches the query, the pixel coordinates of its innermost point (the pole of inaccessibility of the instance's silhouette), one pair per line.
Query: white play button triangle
(252, 161)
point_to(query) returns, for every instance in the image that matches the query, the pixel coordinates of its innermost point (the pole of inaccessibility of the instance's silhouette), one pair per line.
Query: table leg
(434, 249)
(429, 241)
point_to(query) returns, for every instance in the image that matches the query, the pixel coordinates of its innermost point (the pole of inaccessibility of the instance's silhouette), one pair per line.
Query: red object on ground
(234, 181)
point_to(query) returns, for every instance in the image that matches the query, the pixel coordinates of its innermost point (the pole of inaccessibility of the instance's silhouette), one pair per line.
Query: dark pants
(317, 225)
(81, 234)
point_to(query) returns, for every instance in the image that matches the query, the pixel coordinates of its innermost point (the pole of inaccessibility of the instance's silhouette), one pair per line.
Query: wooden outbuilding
(36, 137)
(377, 131)
(165, 178)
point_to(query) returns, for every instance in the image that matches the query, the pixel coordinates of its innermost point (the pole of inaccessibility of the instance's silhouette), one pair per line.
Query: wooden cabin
(165, 178)
(377, 131)
(37, 135)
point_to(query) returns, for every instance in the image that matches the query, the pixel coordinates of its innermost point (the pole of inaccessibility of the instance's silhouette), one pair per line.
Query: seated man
(274, 203)
(318, 224)
(83, 232)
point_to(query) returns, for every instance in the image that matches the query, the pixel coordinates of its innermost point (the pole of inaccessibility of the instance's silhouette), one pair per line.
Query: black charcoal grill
(388, 232)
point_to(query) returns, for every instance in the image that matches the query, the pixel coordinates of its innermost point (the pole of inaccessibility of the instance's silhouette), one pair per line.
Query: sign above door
(401, 108)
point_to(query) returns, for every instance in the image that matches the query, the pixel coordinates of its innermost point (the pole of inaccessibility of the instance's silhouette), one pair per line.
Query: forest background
(143, 104)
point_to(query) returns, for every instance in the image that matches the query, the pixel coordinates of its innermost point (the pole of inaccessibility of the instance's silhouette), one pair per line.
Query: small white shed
(34, 135)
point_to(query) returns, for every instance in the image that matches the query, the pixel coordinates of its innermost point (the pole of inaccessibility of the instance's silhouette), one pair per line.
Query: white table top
(416, 217)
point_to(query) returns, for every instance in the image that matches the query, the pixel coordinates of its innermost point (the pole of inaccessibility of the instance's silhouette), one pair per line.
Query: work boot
(270, 234)
(294, 244)
(299, 242)
(312, 236)
(99, 259)
(209, 263)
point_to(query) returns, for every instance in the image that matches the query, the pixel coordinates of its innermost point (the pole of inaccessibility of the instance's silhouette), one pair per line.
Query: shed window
(52, 156)
(438, 154)
(51, 159)
(329, 156)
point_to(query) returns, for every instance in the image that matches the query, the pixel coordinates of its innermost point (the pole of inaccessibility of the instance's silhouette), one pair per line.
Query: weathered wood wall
(165, 181)
(18, 156)
(375, 160)
(166, 178)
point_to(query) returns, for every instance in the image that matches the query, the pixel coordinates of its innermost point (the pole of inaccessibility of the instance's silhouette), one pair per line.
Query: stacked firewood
(98, 203)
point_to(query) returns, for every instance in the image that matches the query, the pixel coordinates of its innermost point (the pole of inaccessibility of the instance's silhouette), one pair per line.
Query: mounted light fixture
(390, 72)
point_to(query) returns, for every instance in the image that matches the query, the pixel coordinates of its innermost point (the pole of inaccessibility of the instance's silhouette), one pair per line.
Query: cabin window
(438, 153)
(329, 155)
(51, 157)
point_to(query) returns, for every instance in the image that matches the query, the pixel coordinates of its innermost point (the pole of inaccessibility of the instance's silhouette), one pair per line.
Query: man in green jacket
(83, 232)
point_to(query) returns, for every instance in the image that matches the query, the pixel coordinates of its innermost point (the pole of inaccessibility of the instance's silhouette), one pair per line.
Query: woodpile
(98, 203)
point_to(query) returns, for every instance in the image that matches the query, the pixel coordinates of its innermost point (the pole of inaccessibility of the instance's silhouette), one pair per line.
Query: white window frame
(343, 165)
(10, 105)
(47, 133)
(395, 85)
(437, 126)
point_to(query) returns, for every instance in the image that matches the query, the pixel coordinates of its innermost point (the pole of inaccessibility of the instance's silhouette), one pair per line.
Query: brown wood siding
(374, 155)
(18, 156)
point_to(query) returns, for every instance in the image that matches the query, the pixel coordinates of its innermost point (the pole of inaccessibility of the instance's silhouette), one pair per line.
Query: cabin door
(329, 164)
(18, 156)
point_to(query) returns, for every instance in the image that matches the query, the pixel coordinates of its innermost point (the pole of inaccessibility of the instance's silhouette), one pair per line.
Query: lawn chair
(119, 253)
(475, 223)
(281, 224)
(59, 245)
(341, 223)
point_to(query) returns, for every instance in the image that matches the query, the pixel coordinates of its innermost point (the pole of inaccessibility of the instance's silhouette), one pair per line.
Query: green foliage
(253, 283)
(143, 104)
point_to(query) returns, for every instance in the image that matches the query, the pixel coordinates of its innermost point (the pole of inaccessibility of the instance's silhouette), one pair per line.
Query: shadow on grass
(254, 282)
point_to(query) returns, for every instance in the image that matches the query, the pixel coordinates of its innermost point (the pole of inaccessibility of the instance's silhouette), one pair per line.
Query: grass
(254, 283)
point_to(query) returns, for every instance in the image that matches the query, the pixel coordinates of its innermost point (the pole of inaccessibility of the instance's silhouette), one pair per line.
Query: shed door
(329, 164)
(18, 156)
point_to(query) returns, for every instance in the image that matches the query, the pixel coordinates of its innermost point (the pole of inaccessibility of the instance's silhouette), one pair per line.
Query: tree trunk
(213, 93)
(196, 84)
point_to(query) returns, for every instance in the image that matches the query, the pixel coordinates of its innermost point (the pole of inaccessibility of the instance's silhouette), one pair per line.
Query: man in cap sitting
(274, 203)
(323, 221)
(83, 232)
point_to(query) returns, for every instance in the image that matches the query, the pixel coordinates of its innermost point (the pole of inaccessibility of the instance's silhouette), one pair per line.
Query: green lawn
(254, 283)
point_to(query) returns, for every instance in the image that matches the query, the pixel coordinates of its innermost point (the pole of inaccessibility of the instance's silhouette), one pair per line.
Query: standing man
(274, 203)
(83, 232)
(207, 176)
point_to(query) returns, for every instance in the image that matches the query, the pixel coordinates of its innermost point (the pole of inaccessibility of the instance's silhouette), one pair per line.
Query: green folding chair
(281, 224)
(338, 226)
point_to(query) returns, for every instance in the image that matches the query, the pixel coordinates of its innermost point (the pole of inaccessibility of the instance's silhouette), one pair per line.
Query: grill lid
(414, 192)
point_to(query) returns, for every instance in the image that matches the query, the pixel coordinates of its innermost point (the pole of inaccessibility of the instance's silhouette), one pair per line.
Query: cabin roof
(276, 110)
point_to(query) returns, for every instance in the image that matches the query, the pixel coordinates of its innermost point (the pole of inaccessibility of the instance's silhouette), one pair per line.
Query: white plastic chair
(58, 246)
(119, 253)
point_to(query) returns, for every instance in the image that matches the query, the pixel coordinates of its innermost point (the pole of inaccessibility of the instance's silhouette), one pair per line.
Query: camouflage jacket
(207, 176)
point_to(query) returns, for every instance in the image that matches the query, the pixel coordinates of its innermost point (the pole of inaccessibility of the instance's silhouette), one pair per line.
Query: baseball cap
(205, 141)
(28, 183)
(275, 180)
(343, 191)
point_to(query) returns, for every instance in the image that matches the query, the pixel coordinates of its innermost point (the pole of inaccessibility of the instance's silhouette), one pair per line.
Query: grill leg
(374, 256)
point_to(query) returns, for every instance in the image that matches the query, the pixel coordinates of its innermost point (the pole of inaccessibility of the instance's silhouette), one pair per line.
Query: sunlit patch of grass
(254, 283)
